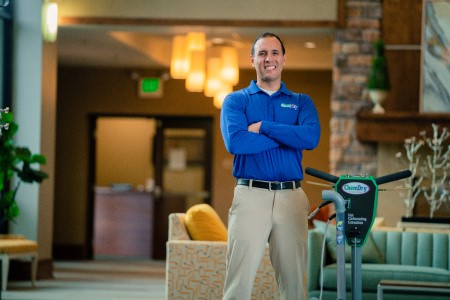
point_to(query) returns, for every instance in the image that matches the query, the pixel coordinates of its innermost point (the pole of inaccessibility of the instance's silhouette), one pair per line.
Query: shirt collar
(253, 88)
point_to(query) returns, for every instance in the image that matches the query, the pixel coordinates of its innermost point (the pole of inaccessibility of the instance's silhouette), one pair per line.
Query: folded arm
(239, 137)
(303, 135)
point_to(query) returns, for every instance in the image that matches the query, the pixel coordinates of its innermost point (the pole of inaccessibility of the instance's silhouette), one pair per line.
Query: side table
(413, 287)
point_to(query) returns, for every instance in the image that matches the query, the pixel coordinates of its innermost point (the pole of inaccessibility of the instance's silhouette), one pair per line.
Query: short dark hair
(264, 35)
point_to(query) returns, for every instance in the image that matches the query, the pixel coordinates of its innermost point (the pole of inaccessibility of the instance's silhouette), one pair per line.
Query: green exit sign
(150, 87)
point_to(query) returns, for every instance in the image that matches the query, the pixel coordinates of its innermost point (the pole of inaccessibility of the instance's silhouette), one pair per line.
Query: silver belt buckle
(275, 183)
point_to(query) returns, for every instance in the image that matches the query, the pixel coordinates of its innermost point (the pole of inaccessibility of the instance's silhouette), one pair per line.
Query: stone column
(352, 52)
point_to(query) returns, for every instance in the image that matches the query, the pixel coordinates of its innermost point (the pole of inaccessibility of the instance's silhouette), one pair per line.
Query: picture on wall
(435, 81)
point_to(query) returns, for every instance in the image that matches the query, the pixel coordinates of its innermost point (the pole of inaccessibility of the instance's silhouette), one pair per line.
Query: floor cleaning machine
(355, 199)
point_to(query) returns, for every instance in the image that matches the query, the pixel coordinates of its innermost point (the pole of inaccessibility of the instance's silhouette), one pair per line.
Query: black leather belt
(270, 185)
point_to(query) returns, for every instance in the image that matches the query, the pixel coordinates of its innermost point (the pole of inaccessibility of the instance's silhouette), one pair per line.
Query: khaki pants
(258, 216)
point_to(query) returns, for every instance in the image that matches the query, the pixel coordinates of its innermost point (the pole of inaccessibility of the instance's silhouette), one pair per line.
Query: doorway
(142, 169)
(183, 168)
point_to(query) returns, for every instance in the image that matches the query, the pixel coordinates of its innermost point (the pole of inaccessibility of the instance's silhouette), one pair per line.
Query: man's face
(268, 59)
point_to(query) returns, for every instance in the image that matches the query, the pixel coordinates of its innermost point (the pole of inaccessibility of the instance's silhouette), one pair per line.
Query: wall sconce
(49, 21)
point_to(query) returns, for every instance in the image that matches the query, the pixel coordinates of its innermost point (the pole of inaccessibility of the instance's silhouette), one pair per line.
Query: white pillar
(33, 105)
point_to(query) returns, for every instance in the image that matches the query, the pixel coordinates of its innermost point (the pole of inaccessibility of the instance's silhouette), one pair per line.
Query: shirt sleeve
(234, 127)
(303, 135)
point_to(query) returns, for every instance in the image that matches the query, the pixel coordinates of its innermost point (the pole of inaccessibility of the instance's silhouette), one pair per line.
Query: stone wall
(352, 52)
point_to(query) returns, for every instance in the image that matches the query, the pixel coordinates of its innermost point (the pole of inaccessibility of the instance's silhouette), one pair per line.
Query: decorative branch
(436, 167)
(411, 184)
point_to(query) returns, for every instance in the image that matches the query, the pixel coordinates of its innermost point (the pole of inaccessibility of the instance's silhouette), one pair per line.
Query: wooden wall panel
(404, 74)
(401, 29)
(402, 22)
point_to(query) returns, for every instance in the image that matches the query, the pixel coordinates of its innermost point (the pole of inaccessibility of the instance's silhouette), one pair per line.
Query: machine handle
(380, 180)
(321, 175)
(393, 177)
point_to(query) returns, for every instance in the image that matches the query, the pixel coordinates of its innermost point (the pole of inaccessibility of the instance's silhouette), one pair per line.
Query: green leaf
(19, 161)
(30, 175)
(12, 129)
(12, 212)
(23, 154)
(7, 117)
(39, 176)
(38, 158)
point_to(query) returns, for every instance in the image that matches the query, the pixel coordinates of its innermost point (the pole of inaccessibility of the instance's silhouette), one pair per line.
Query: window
(6, 47)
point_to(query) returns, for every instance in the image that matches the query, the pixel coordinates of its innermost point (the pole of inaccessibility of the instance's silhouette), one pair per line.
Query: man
(266, 127)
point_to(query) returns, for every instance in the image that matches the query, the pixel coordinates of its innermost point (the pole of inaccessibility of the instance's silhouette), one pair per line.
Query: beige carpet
(96, 280)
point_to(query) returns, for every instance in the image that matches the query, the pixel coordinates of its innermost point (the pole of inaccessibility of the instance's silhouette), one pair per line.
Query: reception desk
(123, 223)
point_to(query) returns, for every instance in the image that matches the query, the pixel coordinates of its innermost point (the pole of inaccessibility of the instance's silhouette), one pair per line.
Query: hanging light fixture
(196, 45)
(179, 63)
(219, 97)
(195, 79)
(49, 21)
(230, 66)
(213, 80)
(196, 41)
(188, 62)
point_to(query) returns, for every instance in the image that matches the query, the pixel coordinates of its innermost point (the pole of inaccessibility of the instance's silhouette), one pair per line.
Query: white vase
(378, 97)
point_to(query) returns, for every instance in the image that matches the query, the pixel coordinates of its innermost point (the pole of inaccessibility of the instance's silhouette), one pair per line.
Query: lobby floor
(105, 279)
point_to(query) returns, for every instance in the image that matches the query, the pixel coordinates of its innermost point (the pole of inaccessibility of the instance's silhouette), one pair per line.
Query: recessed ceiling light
(310, 45)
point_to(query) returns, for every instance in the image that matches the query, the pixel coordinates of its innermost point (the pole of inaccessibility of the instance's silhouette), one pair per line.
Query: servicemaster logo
(289, 105)
(355, 188)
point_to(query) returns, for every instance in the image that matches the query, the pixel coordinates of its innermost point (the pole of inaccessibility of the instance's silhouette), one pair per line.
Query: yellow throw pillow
(204, 224)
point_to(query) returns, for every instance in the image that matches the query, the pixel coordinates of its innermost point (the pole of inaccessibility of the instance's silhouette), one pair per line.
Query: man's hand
(254, 127)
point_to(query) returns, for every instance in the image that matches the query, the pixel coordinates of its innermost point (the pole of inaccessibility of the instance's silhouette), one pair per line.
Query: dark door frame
(171, 121)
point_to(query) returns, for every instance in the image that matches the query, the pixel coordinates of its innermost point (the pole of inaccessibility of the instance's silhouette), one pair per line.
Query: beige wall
(85, 91)
(195, 9)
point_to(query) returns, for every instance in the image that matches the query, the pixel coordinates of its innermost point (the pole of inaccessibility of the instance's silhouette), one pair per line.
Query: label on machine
(360, 194)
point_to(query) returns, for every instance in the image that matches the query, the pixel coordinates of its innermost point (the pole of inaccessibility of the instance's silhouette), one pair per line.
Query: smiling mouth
(269, 67)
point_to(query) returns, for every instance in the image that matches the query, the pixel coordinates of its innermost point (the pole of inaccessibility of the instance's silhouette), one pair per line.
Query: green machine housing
(361, 197)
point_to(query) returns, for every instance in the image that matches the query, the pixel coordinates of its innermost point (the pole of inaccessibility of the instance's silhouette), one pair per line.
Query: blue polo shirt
(290, 124)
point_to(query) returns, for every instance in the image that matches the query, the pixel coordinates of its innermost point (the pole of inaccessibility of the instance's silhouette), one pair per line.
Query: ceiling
(150, 46)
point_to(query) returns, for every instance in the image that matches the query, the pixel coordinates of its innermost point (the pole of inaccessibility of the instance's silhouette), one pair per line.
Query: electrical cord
(314, 212)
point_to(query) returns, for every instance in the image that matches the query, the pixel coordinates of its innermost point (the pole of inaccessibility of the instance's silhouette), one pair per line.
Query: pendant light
(213, 80)
(196, 41)
(219, 97)
(195, 79)
(179, 63)
(196, 46)
(230, 66)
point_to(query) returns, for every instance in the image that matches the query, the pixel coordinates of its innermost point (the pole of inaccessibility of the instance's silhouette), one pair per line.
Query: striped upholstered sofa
(196, 269)
(389, 254)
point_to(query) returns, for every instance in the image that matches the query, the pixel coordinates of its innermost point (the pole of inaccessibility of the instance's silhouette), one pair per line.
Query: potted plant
(378, 82)
(15, 160)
